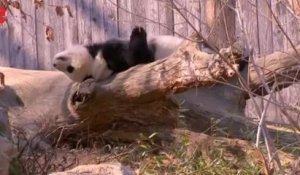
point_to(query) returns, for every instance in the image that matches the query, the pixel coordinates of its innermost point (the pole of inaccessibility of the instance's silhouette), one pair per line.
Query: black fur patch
(138, 51)
(113, 51)
(120, 55)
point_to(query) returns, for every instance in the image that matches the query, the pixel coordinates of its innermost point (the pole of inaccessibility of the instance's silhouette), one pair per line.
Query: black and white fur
(101, 60)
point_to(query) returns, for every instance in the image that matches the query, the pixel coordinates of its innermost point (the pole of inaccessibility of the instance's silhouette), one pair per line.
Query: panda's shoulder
(115, 42)
(94, 48)
(163, 38)
(110, 45)
(163, 41)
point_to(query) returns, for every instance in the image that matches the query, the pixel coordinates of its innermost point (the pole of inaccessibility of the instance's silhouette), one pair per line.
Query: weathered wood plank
(58, 26)
(293, 24)
(4, 45)
(218, 22)
(125, 17)
(193, 15)
(110, 18)
(104, 20)
(84, 14)
(29, 36)
(70, 23)
(152, 12)
(16, 52)
(139, 8)
(47, 48)
(165, 17)
(180, 24)
(43, 45)
(97, 20)
(264, 27)
(248, 16)
(278, 36)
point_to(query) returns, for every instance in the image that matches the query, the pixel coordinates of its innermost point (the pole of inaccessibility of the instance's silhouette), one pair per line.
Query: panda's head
(76, 62)
(80, 62)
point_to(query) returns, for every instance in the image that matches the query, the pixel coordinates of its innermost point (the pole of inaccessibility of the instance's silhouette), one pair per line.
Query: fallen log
(281, 68)
(139, 94)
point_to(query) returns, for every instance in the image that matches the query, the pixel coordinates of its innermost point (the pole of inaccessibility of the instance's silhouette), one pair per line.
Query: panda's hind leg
(138, 33)
(138, 50)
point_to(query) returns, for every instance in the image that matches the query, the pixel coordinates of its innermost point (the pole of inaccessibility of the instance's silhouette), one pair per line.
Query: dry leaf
(16, 5)
(69, 11)
(38, 3)
(59, 11)
(49, 34)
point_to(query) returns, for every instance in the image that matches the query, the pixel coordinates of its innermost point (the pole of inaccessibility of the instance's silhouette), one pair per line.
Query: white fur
(79, 57)
(99, 69)
(165, 45)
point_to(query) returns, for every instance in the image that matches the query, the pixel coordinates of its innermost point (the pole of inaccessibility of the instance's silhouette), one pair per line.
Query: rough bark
(279, 67)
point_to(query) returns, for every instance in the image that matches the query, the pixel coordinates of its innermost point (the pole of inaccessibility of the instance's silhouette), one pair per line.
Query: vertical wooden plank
(4, 45)
(15, 36)
(139, 8)
(285, 12)
(104, 20)
(124, 18)
(207, 16)
(84, 14)
(42, 44)
(228, 22)
(248, 15)
(47, 17)
(278, 36)
(218, 22)
(29, 36)
(98, 32)
(293, 24)
(165, 17)
(56, 21)
(70, 24)
(193, 15)
(152, 24)
(180, 24)
(110, 18)
(264, 27)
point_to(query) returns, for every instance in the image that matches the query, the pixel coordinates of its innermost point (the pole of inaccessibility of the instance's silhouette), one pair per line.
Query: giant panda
(101, 60)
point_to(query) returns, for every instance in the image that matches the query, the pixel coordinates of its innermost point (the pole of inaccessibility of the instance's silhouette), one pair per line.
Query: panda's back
(114, 52)
(163, 45)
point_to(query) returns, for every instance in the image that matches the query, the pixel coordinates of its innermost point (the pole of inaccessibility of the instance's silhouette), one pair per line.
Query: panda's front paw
(138, 32)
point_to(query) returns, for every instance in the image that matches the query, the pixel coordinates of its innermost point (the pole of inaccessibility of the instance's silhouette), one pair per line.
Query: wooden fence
(23, 38)
(23, 41)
